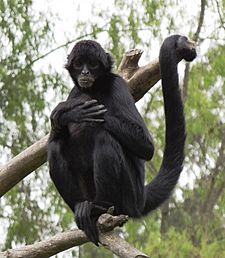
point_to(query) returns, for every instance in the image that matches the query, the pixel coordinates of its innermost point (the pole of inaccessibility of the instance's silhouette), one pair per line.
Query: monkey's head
(87, 62)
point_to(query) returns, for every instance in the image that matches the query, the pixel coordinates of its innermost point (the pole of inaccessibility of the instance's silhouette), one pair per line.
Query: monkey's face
(87, 62)
(85, 71)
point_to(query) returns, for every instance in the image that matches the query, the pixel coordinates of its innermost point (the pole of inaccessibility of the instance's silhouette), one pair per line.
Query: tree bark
(63, 241)
(22, 165)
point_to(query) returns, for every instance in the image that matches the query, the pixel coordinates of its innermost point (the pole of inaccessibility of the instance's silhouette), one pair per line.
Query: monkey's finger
(85, 221)
(89, 103)
(96, 236)
(83, 211)
(90, 227)
(79, 216)
(92, 236)
(102, 203)
(95, 114)
(93, 120)
(78, 220)
(98, 210)
(95, 108)
(94, 232)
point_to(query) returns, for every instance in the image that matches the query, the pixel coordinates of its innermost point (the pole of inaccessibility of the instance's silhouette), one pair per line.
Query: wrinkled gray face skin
(86, 71)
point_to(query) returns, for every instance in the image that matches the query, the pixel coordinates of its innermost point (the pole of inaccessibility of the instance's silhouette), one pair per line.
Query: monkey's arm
(125, 123)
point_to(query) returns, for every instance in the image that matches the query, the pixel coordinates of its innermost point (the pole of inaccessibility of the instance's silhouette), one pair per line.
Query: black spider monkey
(99, 142)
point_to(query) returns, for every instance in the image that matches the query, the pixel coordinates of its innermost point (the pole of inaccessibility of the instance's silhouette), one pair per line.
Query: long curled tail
(173, 49)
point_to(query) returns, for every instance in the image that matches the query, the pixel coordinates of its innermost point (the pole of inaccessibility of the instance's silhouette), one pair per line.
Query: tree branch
(63, 241)
(220, 14)
(22, 165)
(195, 38)
(103, 28)
(140, 79)
(216, 187)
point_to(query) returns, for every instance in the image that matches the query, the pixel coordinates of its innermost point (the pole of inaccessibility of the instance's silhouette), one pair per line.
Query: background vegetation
(192, 222)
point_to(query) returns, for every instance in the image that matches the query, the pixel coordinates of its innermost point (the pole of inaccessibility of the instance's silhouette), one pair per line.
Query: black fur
(97, 158)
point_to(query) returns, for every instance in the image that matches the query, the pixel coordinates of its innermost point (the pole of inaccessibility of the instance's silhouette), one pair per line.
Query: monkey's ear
(110, 61)
(70, 58)
(68, 63)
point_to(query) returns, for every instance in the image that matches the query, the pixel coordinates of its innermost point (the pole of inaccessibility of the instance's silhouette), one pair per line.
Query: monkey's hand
(70, 111)
(86, 216)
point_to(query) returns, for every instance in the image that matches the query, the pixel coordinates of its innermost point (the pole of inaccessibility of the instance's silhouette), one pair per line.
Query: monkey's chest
(84, 131)
(80, 146)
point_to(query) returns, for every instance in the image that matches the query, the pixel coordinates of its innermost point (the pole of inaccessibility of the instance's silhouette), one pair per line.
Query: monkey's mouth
(85, 82)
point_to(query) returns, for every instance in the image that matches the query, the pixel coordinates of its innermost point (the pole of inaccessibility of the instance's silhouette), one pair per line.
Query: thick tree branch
(63, 241)
(144, 79)
(140, 79)
(22, 165)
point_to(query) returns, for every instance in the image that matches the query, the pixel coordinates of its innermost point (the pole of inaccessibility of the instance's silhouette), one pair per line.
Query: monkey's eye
(93, 65)
(77, 65)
